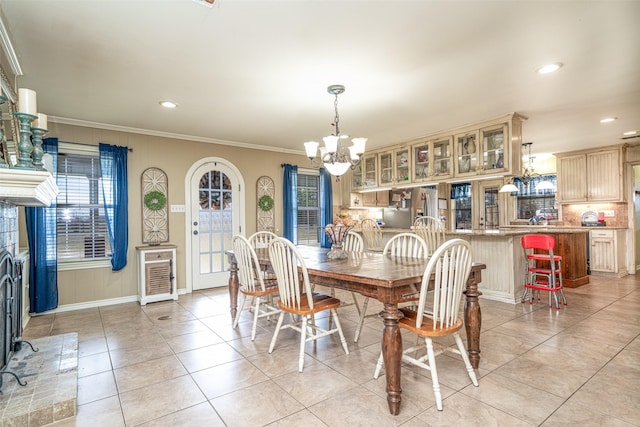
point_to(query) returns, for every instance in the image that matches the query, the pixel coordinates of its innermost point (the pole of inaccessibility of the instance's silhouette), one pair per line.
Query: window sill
(83, 265)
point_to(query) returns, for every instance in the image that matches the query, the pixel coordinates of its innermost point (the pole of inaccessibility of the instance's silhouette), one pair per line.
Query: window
(536, 203)
(80, 220)
(308, 208)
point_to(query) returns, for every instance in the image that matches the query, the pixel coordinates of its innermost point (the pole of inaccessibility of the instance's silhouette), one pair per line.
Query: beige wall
(175, 157)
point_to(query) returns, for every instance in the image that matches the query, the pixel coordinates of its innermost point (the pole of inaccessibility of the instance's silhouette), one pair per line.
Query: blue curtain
(326, 206)
(113, 167)
(41, 236)
(290, 203)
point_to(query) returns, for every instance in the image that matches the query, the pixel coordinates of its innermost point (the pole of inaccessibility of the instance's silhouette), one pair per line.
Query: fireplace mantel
(27, 187)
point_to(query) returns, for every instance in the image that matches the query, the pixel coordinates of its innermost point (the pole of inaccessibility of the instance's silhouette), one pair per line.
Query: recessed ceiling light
(550, 68)
(608, 119)
(168, 104)
(631, 133)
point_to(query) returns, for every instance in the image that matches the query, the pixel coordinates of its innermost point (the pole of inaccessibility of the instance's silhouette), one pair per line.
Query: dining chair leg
(256, 313)
(334, 313)
(363, 314)
(239, 312)
(276, 332)
(303, 341)
(379, 366)
(434, 373)
(465, 358)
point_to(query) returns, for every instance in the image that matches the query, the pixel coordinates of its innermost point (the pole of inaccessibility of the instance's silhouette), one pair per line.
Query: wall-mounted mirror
(9, 124)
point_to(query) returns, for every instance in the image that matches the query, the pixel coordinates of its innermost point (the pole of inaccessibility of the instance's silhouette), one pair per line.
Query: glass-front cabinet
(357, 181)
(401, 165)
(461, 207)
(442, 153)
(369, 178)
(466, 153)
(494, 148)
(394, 167)
(488, 216)
(385, 175)
(432, 160)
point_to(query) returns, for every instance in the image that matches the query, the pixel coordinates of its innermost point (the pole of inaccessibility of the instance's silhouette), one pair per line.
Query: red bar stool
(544, 269)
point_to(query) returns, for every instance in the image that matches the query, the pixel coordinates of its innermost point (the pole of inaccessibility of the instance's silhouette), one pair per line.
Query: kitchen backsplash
(572, 214)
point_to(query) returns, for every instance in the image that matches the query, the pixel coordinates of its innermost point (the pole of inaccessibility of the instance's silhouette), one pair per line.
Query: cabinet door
(356, 178)
(369, 171)
(466, 154)
(487, 216)
(382, 199)
(603, 255)
(572, 178)
(385, 174)
(421, 162)
(401, 162)
(494, 149)
(442, 158)
(603, 178)
(369, 199)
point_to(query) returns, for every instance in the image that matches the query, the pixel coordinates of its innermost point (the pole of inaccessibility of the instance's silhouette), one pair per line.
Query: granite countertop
(511, 230)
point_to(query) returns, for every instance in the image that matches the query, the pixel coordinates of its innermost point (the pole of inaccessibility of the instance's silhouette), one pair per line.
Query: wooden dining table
(390, 280)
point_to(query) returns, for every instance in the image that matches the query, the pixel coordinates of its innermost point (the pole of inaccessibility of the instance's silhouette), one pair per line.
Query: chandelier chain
(336, 120)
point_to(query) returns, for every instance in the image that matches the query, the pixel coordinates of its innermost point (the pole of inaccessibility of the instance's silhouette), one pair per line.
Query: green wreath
(155, 200)
(265, 203)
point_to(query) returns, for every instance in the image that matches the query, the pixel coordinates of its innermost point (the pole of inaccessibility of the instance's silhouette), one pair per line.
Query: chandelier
(334, 155)
(527, 175)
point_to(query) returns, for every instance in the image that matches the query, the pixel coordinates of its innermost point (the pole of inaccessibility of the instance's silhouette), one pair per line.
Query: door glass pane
(491, 211)
(215, 220)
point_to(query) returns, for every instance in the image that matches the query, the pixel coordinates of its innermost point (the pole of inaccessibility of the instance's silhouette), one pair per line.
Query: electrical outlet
(178, 208)
(609, 214)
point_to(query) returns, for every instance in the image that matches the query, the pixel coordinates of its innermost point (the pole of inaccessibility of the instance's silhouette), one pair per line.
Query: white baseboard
(89, 304)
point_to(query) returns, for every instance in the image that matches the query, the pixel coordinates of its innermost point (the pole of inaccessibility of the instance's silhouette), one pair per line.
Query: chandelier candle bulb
(27, 102)
(40, 122)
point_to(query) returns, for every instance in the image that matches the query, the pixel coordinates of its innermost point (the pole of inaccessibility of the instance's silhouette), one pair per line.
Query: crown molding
(118, 128)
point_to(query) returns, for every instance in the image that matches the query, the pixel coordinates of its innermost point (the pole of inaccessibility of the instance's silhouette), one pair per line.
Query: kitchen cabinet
(466, 146)
(487, 195)
(606, 252)
(432, 160)
(375, 199)
(494, 149)
(394, 167)
(364, 175)
(156, 273)
(591, 176)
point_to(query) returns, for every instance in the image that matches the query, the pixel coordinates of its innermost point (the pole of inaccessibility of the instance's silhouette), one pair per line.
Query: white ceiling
(256, 72)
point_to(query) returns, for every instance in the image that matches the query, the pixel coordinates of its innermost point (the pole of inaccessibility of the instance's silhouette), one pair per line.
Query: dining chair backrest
(431, 230)
(261, 239)
(293, 284)
(248, 264)
(406, 245)
(449, 267)
(371, 233)
(353, 242)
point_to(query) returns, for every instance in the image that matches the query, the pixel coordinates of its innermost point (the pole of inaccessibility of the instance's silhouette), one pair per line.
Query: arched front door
(215, 213)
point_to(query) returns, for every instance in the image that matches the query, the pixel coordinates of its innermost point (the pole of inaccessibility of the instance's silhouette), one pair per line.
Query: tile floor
(578, 366)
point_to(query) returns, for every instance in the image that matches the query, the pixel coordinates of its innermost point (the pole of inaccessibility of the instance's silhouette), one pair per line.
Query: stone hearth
(52, 382)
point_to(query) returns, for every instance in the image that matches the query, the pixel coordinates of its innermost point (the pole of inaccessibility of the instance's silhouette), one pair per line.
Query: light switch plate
(609, 214)
(178, 208)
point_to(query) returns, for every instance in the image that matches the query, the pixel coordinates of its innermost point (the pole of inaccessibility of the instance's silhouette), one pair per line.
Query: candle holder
(38, 152)
(336, 234)
(4, 160)
(24, 146)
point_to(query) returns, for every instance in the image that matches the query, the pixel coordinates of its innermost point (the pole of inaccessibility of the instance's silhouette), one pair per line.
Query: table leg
(473, 320)
(392, 355)
(234, 285)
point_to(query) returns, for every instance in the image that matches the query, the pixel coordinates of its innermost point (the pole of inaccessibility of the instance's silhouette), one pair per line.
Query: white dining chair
(261, 239)
(253, 284)
(449, 267)
(297, 299)
(431, 230)
(403, 244)
(372, 234)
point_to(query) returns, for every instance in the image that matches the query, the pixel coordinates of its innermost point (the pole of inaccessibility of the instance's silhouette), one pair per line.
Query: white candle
(27, 101)
(40, 122)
